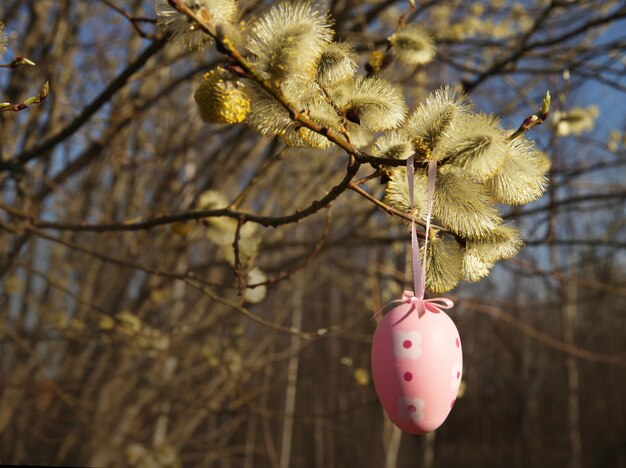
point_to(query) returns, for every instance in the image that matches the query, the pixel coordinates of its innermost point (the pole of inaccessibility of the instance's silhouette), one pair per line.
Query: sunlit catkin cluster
(294, 55)
(292, 46)
(479, 166)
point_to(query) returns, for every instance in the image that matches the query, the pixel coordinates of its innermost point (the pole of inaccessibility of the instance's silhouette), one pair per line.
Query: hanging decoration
(417, 359)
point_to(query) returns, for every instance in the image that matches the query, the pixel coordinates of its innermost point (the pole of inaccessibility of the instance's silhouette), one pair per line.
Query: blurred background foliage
(130, 347)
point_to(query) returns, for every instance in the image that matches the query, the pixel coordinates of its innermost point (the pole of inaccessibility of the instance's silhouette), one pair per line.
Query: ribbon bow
(435, 304)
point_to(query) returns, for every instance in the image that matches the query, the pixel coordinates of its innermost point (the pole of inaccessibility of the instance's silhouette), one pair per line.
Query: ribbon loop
(414, 242)
(437, 304)
(415, 298)
(419, 268)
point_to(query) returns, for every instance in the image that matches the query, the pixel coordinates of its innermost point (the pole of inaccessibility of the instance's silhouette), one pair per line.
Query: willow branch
(258, 176)
(239, 275)
(392, 211)
(37, 99)
(306, 262)
(268, 221)
(242, 310)
(134, 20)
(227, 47)
(103, 98)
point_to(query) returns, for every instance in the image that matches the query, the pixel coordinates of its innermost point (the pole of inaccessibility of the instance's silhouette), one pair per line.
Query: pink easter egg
(416, 366)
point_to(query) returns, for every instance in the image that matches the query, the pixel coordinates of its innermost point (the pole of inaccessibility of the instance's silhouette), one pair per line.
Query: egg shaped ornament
(417, 364)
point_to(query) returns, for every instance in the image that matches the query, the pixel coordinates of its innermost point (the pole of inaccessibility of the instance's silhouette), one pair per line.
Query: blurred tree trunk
(570, 309)
(531, 419)
(429, 450)
(392, 436)
(297, 306)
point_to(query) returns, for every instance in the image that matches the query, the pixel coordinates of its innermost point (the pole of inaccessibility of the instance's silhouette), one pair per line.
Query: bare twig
(258, 176)
(239, 308)
(393, 211)
(135, 21)
(533, 120)
(273, 221)
(37, 99)
(306, 262)
(241, 282)
(103, 98)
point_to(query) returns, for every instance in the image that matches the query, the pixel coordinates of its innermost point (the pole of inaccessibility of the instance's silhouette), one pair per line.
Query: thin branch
(272, 221)
(63, 289)
(566, 201)
(393, 211)
(71, 402)
(135, 21)
(187, 277)
(239, 308)
(38, 99)
(578, 242)
(373, 175)
(258, 176)
(25, 227)
(526, 46)
(586, 283)
(241, 282)
(46, 147)
(241, 285)
(306, 262)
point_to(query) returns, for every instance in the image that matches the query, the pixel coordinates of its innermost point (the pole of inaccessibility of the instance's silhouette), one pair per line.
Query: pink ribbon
(435, 304)
(416, 297)
(419, 269)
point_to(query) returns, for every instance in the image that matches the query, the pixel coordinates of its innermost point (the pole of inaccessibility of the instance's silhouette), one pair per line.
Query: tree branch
(245, 216)
(103, 98)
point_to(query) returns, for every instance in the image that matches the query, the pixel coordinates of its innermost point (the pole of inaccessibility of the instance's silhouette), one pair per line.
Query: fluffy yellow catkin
(522, 177)
(474, 267)
(394, 145)
(437, 118)
(444, 264)
(397, 192)
(477, 146)
(179, 27)
(220, 99)
(376, 61)
(502, 243)
(463, 206)
(376, 104)
(336, 65)
(289, 39)
(412, 46)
